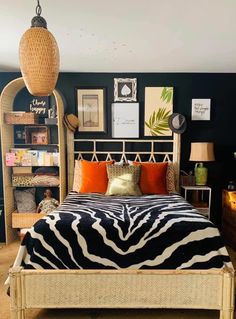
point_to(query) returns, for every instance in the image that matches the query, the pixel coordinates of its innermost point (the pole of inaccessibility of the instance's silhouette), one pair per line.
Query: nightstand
(199, 197)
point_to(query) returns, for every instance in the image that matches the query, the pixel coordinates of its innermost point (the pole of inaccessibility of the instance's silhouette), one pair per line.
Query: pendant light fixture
(39, 57)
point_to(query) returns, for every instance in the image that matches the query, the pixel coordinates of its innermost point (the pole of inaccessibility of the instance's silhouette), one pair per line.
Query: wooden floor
(7, 255)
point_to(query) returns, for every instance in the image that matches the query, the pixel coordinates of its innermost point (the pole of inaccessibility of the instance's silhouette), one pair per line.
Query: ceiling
(128, 35)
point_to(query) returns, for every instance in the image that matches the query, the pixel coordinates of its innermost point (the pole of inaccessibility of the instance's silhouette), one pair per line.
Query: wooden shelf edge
(25, 220)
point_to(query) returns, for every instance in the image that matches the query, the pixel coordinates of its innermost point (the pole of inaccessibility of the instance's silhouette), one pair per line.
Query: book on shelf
(26, 157)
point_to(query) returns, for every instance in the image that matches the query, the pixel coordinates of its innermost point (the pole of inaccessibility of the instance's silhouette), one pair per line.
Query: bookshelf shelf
(7, 142)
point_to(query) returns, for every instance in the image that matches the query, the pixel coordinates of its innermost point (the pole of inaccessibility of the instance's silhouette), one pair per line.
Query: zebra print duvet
(93, 231)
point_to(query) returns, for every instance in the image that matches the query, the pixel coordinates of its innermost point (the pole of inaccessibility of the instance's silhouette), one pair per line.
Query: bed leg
(227, 310)
(16, 304)
(226, 314)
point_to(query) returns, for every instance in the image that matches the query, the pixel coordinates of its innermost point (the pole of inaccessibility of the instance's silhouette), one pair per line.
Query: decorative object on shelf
(177, 123)
(158, 108)
(187, 179)
(52, 112)
(39, 105)
(50, 121)
(71, 122)
(20, 118)
(231, 186)
(201, 152)
(48, 204)
(125, 90)
(125, 120)
(201, 109)
(39, 57)
(91, 109)
(37, 135)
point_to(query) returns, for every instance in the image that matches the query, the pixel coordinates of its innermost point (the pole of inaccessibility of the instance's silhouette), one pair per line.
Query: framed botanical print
(125, 90)
(91, 109)
(158, 108)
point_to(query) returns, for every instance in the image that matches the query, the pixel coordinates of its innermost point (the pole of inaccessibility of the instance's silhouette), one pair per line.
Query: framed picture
(37, 135)
(125, 120)
(91, 109)
(125, 90)
(158, 108)
(201, 109)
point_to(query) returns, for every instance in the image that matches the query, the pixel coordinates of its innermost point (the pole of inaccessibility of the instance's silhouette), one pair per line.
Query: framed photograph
(91, 109)
(37, 135)
(201, 109)
(125, 120)
(125, 90)
(158, 108)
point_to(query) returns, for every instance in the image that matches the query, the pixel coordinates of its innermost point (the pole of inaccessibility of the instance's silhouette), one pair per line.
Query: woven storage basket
(187, 180)
(25, 220)
(21, 118)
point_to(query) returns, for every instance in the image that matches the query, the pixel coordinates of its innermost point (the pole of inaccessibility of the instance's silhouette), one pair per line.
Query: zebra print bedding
(94, 231)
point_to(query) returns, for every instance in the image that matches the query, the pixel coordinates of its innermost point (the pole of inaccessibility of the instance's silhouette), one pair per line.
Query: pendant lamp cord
(38, 9)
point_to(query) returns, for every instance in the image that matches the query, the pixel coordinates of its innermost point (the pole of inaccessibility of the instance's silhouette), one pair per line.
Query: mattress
(94, 231)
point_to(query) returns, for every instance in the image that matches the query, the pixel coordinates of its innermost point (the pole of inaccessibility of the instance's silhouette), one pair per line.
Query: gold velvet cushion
(123, 180)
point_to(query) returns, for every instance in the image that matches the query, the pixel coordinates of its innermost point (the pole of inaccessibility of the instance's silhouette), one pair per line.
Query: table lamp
(201, 152)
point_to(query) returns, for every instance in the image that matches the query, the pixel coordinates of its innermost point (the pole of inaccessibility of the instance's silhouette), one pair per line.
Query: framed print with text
(201, 109)
(125, 120)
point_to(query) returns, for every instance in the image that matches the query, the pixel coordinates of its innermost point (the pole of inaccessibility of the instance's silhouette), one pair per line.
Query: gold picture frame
(91, 109)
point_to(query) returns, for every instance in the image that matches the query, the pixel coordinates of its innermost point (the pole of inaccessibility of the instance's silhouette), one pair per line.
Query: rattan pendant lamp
(39, 57)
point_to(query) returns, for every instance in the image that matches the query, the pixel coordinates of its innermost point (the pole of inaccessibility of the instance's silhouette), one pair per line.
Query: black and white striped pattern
(95, 231)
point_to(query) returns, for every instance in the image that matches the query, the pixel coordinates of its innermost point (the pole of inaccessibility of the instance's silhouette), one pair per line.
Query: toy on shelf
(48, 204)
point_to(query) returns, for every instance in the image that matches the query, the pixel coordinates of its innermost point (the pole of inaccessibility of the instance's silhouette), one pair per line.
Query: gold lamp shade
(202, 152)
(39, 57)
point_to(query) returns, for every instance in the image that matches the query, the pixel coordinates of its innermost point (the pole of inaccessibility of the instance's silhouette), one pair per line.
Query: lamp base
(200, 173)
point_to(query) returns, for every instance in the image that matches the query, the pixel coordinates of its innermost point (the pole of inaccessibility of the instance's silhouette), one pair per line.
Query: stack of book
(28, 157)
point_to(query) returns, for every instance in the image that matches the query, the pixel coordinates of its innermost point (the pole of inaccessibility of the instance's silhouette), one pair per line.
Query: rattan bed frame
(186, 289)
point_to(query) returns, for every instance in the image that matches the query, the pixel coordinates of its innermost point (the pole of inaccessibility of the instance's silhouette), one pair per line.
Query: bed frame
(174, 289)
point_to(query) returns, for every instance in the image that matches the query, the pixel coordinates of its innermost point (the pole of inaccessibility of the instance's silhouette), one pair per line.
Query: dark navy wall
(221, 130)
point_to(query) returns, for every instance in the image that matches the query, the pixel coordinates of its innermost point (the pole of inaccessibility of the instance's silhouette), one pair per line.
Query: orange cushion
(153, 177)
(94, 176)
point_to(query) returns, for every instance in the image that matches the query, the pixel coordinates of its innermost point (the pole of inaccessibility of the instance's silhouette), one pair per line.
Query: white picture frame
(125, 90)
(201, 109)
(125, 120)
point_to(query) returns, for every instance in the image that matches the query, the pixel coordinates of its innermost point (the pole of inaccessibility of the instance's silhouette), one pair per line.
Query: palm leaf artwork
(158, 122)
(167, 94)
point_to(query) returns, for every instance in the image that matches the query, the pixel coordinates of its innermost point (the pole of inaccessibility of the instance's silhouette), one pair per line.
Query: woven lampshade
(39, 58)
